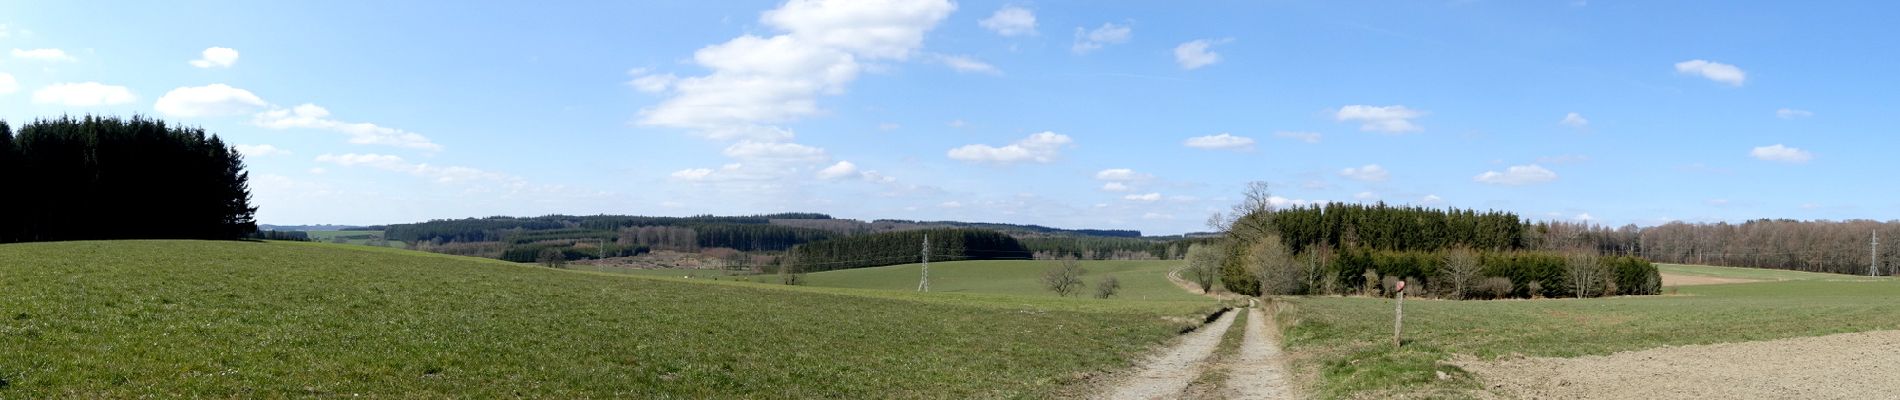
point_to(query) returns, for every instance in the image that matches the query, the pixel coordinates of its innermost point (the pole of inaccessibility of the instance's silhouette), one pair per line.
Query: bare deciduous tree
(1107, 287)
(1585, 273)
(1461, 271)
(1064, 278)
(1203, 265)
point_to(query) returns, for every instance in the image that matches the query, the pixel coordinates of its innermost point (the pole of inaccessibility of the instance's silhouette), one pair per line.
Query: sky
(1075, 114)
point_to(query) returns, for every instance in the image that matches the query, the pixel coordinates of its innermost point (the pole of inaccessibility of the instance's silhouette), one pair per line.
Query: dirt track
(1692, 280)
(1168, 373)
(1844, 366)
(1260, 373)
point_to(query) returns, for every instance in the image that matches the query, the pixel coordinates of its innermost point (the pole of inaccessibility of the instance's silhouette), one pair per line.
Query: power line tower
(1873, 258)
(923, 285)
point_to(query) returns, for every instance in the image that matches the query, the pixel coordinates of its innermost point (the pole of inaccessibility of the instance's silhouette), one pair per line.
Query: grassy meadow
(281, 319)
(1342, 345)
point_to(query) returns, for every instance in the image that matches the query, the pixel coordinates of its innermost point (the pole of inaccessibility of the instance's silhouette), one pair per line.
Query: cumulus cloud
(1195, 54)
(1122, 175)
(1790, 113)
(966, 64)
(216, 57)
(1146, 198)
(650, 82)
(1368, 173)
(1517, 175)
(1365, 196)
(208, 101)
(1041, 147)
(839, 170)
(1431, 199)
(1575, 120)
(1308, 137)
(759, 82)
(1222, 141)
(775, 151)
(7, 84)
(1116, 187)
(1011, 21)
(43, 55)
(440, 174)
(1780, 153)
(311, 116)
(1714, 71)
(1388, 119)
(1091, 40)
(85, 94)
(260, 150)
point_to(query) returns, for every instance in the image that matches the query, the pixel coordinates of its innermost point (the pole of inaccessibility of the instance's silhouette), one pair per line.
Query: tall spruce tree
(113, 178)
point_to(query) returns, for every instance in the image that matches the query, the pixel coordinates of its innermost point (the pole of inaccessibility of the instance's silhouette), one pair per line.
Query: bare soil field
(1843, 366)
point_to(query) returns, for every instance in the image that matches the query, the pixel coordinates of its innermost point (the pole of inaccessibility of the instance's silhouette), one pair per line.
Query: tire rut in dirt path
(1165, 375)
(1260, 372)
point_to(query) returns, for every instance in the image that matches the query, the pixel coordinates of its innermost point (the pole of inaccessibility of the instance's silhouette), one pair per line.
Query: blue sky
(1125, 115)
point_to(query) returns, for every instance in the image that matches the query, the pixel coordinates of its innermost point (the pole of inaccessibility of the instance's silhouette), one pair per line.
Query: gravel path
(1167, 374)
(1844, 366)
(1260, 372)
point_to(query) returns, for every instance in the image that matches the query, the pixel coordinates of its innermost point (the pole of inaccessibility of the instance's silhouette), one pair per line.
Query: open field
(1140, 280)
(1342, 346)
(281, 319)
(1843, 366)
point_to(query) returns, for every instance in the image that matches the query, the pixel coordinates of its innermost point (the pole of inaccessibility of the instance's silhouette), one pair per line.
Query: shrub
(552, 258)
(1107, 287)
(1495, 288)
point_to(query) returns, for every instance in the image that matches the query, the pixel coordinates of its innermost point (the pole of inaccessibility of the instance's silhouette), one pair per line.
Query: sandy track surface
(1692, 280)
(1844, 366)
(1167, 374)
(1260, 373)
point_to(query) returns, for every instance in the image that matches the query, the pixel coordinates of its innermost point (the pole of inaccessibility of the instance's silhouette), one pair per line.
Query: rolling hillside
(249, 319)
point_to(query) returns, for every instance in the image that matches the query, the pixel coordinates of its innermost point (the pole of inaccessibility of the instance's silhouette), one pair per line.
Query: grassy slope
(1140, 280)
(353, 237)
(234, 319)
(1347, 342)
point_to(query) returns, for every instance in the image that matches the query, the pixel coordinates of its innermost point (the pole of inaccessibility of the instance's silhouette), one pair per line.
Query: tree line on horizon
(101, 177)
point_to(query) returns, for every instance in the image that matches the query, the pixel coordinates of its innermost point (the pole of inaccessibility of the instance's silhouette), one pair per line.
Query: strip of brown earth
(1844, 366)
(1693, 280)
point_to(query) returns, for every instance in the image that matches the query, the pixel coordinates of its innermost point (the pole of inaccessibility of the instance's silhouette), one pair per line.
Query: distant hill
(324, 227)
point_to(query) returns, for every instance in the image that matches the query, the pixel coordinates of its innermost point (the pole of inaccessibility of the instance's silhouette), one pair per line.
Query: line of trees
(1105, 248)
(903, 247)
(98, 177)
(1840, 247)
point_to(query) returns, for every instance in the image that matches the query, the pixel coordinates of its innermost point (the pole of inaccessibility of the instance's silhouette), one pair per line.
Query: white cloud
(1041, 147)
(1584, 217)
(208, 101)
(1308, 137)
(318, 171)
(1714, 71)
(957, 123)
(1575, 120)
(966, 64)
(1368, 173)
(43, 55)
(1195, 54)
(951, 204)
(1010, 21)
(1122, 175)
(7, 84)
(1150, 197)
(440, 174)
(1388, 119)
(1790, 113)
(4, 32)
(649, 82)
(1091, 40)
(1116, 187)
(775, 151)
(839, 170)
(216, 57)
(1431, 199)
(1157, 216)
(85, 94)
(310, 116)
(1517, 175)
(1366, 196)
(1780, 153)
(1222, 141)
(260, 150)
(757, 82)
(693, 174)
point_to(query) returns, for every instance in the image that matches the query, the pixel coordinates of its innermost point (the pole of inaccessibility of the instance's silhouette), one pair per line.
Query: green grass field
(1344, 344)
(281, 319)
(1140, 280)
